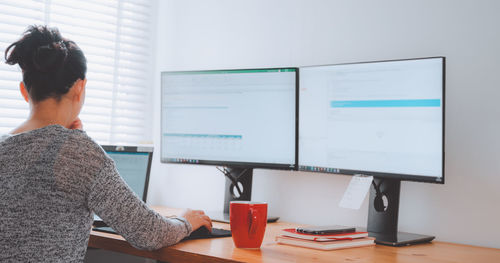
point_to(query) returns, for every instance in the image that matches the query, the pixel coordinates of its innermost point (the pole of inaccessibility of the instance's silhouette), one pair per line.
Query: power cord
(234, 179)
(379, 201)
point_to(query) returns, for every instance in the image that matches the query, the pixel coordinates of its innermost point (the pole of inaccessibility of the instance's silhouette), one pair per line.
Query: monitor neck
(238, 185)
(384, 206)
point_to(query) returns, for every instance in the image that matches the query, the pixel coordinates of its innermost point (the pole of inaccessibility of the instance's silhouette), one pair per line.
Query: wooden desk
(223, 250)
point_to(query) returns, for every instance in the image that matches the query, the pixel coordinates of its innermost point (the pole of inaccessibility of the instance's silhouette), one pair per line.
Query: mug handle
(254, 215)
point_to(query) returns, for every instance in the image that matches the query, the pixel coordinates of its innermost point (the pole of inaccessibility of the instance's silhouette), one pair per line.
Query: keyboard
(200, 233)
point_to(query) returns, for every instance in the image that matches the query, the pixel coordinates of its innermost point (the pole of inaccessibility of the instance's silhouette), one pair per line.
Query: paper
(356, 192)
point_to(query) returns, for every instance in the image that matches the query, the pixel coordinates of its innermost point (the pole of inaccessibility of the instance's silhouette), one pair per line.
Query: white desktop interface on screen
(236, 116)
(379, 117)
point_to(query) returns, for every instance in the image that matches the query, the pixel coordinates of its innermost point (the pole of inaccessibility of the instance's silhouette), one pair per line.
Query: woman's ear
(79, 89)
(24, 92)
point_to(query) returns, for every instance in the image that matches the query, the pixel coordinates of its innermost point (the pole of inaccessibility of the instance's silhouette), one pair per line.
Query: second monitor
(379, 118)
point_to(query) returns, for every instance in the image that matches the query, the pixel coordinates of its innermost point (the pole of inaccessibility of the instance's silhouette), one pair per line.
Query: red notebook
(291, 232)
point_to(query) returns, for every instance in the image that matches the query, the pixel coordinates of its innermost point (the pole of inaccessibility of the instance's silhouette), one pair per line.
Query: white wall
(210, 34)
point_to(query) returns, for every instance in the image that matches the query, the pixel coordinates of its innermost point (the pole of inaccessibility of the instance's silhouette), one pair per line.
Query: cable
(377, 187)
(379, 201)
(234, 180)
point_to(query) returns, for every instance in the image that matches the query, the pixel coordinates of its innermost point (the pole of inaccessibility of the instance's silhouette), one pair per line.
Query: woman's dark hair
(50, 63)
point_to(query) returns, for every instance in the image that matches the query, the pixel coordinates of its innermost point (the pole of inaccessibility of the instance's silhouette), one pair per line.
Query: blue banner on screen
(384, 103)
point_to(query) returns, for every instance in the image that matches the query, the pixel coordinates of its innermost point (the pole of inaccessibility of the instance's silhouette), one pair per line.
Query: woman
(53, 176)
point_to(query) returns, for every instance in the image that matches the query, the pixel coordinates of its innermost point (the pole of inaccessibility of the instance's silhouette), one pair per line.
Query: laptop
(134, 165)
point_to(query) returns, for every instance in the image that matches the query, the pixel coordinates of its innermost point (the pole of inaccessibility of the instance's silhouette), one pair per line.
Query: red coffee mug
(248, 223)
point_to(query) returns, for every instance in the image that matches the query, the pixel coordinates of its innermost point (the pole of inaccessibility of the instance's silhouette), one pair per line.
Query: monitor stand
(243, 178)
(383, 215)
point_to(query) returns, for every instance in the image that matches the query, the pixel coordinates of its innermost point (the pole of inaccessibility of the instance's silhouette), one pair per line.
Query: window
(116, 37)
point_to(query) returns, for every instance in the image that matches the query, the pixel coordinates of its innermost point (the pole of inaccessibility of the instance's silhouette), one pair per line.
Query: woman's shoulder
(71, 144)
(69, 140)
(73, 148)
(83, 144)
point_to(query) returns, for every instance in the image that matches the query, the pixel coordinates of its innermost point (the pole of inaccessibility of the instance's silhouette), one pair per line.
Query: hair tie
(60, 45)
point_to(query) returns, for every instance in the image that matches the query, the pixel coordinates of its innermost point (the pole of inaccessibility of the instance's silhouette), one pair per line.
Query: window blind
(116, 38)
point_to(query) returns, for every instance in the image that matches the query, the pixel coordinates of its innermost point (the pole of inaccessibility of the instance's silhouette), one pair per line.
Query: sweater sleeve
(119, 207)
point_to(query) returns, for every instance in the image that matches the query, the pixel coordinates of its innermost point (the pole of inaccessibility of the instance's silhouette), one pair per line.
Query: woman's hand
(76, 124)
(197, 219)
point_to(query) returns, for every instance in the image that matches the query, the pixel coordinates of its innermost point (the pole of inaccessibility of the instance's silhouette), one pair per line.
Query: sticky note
(356, 192)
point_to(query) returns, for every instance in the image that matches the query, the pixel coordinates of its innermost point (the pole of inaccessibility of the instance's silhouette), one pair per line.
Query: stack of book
(324, 242)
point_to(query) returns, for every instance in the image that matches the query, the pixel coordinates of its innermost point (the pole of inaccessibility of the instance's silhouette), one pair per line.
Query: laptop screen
(133, 165)
(133, 168)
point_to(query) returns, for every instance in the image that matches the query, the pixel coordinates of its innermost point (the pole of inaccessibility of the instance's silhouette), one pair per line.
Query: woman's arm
(119, 207)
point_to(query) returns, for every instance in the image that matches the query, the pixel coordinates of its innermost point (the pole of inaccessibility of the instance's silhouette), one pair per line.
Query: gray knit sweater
(52, 180)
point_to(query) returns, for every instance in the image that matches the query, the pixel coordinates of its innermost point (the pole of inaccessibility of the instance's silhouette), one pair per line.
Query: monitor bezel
(135, 149)
(277, 166)
(399, 176)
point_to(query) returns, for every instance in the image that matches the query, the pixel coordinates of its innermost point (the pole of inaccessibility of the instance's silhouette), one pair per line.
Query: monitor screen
(233, 117)
(133, 168)
(379, 118)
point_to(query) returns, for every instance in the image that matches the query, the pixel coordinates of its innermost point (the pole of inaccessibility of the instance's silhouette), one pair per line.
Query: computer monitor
(241, 119)
(384, 119)
(229, 117)
(134, 165)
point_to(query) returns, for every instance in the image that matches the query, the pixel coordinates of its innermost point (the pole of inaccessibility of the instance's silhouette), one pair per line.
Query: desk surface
(223, 250)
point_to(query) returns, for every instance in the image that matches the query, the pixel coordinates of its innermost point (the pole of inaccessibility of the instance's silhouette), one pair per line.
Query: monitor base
(383, 215)
(224, 217)
(400, 239)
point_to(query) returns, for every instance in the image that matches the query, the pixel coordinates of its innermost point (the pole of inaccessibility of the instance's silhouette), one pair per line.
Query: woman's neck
(47, 112)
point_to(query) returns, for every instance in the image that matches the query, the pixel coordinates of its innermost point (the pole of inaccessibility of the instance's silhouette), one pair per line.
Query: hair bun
(49, 58)
(50, 63)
